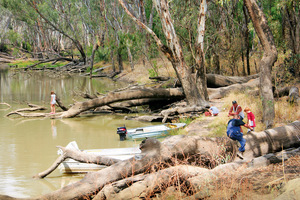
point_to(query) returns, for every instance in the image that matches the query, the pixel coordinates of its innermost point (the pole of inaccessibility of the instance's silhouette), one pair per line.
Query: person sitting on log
(235, 132)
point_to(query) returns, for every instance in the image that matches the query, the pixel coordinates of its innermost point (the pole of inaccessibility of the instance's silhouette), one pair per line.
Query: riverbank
(276, 180)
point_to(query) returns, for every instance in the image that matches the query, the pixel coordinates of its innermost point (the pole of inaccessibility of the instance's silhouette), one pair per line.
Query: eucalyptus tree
(62, 16)
(193, 80)
(291, 30)
(93, 16)
(266, 38)
(22, 27)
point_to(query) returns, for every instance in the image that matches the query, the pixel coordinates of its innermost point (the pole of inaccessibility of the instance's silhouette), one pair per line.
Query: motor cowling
(122, 131)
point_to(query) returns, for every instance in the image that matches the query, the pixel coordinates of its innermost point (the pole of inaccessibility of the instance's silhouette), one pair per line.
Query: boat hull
(71, 166)
(153, 131)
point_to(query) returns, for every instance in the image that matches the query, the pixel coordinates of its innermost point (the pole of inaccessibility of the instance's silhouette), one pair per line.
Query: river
(28, 145)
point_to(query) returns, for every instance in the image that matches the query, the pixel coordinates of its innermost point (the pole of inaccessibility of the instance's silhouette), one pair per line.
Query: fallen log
(49, 60)
(181, 110)
(280, 92)
(216, 80)
(3, 103)
(294, 95)
(217, 93)
(79, 156)
(113, 97)
(31, 109)
(190, 149)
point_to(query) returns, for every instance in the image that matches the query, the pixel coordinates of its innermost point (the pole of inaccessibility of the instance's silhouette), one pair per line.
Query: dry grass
(284, 112)
(141, 72)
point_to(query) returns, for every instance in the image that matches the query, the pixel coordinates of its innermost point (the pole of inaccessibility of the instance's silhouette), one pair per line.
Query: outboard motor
(122, 131)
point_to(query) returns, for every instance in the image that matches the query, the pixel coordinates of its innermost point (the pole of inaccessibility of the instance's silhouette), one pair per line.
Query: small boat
(71, 166)
(148, 131)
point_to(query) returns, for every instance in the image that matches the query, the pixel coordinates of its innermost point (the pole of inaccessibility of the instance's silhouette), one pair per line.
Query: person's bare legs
(52, 109)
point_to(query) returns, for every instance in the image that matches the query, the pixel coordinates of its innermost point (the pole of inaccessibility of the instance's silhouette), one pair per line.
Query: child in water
(52, 102)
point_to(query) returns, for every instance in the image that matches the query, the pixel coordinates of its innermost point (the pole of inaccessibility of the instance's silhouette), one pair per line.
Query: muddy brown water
(28, 146)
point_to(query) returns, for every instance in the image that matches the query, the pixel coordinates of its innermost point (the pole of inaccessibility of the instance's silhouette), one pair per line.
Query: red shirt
(251, 117)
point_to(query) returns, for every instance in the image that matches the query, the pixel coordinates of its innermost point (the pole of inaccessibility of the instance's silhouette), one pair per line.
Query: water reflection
(28, 146)
(53, 129)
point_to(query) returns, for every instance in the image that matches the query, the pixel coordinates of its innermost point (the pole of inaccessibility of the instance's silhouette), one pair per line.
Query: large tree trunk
(173, 51)
(246, 35)
(269, 58)
(172, 151)
(200, 67)
(95, 48)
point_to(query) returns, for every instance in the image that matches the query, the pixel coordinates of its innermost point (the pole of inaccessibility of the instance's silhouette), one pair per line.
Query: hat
(234, 102)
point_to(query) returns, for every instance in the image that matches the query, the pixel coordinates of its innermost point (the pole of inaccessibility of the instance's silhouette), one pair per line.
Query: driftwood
(3, 103)
(31, 109)
(97, 70)
(157, 157)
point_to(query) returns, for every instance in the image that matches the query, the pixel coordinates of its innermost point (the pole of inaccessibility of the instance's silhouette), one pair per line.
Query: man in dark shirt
(235, 132)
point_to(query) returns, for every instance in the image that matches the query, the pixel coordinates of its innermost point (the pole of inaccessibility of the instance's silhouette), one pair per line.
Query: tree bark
(246, 35)
(95, 48)
(130, 58)
(200, 74)
(269, 58)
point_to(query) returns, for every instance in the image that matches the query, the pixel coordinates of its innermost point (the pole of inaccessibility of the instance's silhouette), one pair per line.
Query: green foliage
(14, 37)
(86, 21)
(3, 48)
(186, 120)
(153, 72)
